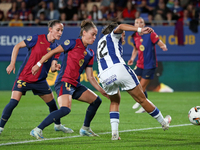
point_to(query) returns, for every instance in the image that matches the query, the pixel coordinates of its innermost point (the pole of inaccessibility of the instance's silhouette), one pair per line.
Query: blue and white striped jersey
(109, 51)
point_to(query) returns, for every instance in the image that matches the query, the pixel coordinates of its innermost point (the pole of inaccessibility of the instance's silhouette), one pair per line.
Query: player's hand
(58, 67)
(35, 69)
(10, 68)
(130, 62)
(164, 48)
(104, 94)
(147, 30)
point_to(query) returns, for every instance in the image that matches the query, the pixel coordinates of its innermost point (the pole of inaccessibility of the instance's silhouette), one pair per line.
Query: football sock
(157, 115)
(55, 115)
(52, 107)
(8, 111)
(145, 93)
(114, 121)
(91, 111)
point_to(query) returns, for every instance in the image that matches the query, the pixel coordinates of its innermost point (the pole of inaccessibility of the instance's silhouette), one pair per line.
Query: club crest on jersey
(142, 47)
(85, 53)
(67, 42)
(48, 49)
(141, 40)
(81, 62)
(29, 38)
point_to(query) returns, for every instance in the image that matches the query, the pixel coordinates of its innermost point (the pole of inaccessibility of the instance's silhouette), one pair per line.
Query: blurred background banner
(180, 64)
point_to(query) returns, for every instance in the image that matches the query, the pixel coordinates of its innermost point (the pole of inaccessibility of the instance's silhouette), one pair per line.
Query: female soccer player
(114, 73)
(38, 45)
(144, 46)
(77, 58)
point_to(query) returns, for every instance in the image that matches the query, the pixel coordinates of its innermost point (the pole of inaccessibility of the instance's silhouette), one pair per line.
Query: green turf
(31, 111)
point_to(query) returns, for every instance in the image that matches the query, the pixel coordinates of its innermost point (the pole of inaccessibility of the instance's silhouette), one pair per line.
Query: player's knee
(65, 110)
(98, 101)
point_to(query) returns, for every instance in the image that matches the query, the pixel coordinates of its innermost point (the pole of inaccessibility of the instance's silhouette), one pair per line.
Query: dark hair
(52, 23)
(109, 28)
(86, 25)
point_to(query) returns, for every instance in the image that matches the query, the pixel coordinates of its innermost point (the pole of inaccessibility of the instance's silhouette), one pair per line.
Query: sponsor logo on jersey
(141, 40)
(67, 42)
(42, 43)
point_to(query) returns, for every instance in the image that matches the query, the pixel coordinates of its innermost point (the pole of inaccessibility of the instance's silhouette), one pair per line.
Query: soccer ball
(194, 115)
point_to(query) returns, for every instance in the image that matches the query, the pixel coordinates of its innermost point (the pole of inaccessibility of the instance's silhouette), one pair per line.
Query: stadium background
(179, 65)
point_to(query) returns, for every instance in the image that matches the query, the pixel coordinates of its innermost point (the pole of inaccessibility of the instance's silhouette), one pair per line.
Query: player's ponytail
(86, 25)
(109, 28)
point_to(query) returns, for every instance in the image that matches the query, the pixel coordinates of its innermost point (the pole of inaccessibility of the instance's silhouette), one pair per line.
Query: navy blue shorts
(66, 88)
(145, 73)
(40, 88)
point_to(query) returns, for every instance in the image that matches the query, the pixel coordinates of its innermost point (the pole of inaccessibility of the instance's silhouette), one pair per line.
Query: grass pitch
(137, 131)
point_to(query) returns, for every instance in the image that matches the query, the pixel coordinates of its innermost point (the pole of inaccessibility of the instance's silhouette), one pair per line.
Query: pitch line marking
(60, 138)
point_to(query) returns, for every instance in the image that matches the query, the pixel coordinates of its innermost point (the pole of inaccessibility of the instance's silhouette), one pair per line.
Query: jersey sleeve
(116, 35)
(68, 44)
(90, 64)
(154, 38)
(56, 57)
(31, 41)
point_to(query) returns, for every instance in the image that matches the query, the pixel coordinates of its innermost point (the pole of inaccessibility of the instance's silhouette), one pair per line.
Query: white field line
(59, 138)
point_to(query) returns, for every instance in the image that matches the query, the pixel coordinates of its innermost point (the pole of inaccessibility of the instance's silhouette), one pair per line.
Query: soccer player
(144, 46)
(114, 73)
(37, 45)
(77, 57)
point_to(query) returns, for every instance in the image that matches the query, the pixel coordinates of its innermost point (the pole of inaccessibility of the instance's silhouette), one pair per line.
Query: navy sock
(52, 107)
(55, 115)
(8, 111)
(145, 93)
(91, 111)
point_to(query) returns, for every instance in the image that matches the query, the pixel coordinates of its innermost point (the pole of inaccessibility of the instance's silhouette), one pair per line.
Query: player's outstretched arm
(11, 66)
(37, 66)
(134, 54)
(93, 81)
(162, 45)
(147, 30)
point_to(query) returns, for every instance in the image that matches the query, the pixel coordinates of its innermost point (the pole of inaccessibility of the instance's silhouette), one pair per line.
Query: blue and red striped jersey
(38, 46)
(76, 58)
(145, 44)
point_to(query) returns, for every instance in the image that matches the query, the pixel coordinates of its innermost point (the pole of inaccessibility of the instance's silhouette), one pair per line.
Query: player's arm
(134, 54)
(57, 50)
(126, 27)
(93, 81)
(11, 66)
(162, 45)
(55, 66)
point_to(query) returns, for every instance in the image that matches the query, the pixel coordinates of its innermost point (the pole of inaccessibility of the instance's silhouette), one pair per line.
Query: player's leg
(139, 96)
(64, 102)
(50, 101)
(95, 101)
(114, 115)
(15, 98)
(144, 83)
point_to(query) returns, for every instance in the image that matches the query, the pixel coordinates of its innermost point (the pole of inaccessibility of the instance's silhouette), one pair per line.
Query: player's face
(139, 23)
(89, 36)
(56, 31)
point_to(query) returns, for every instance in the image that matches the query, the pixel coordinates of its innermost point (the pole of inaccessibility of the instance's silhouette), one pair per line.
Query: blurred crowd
(154, 12)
